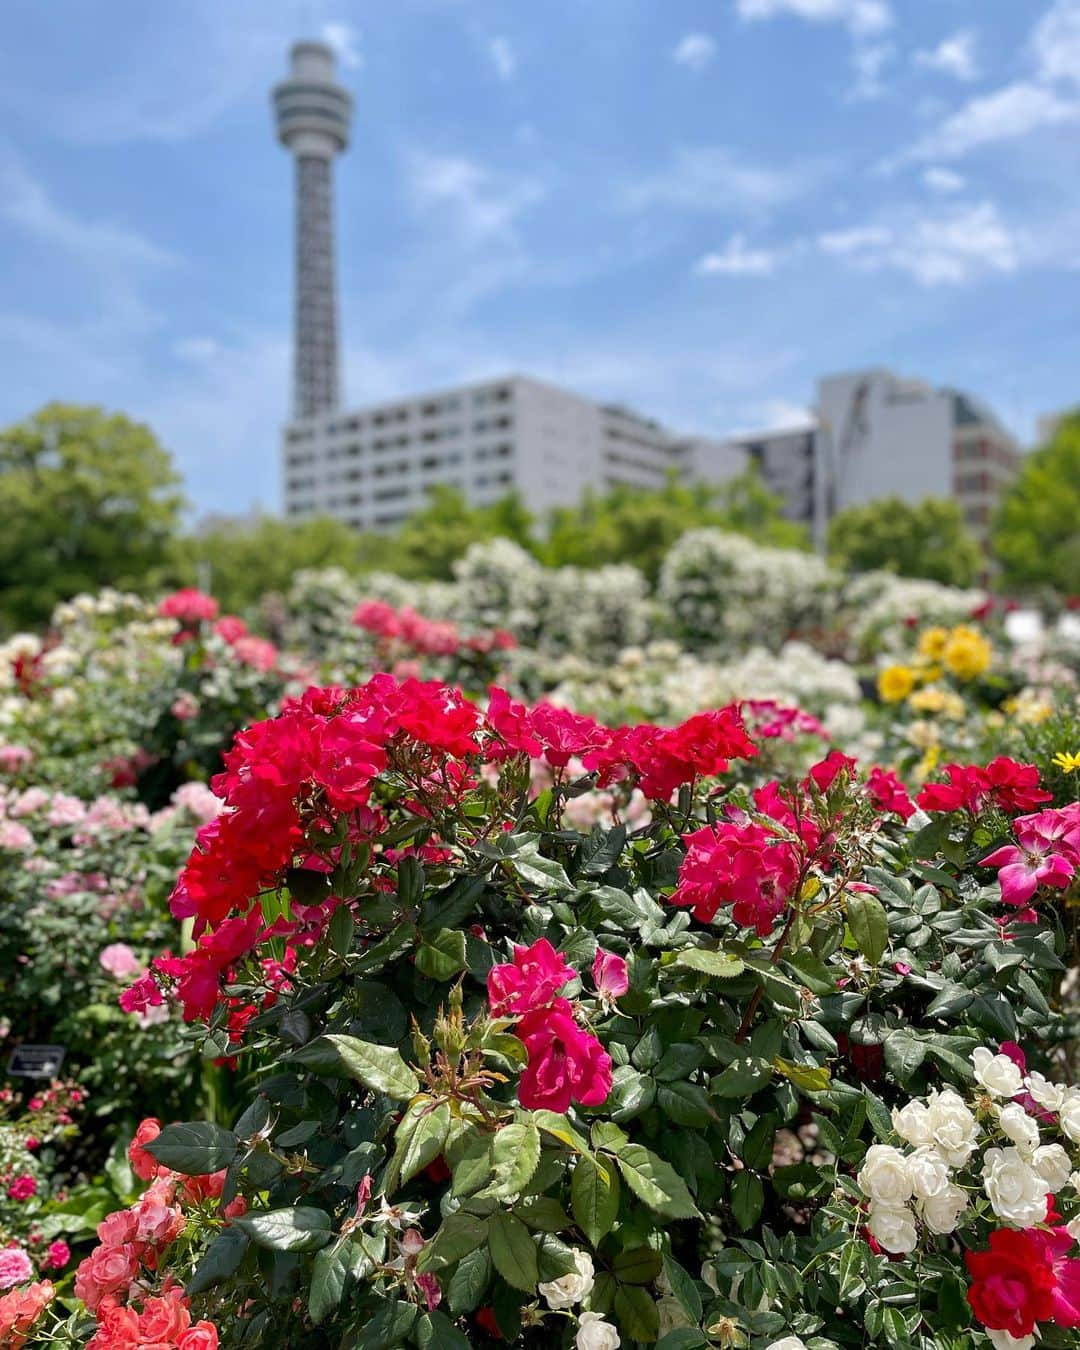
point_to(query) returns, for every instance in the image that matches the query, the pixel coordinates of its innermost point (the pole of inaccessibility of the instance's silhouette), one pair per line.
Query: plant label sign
(36, 1061)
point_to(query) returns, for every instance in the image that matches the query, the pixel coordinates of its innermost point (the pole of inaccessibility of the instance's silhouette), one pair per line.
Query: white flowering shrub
(719, 590)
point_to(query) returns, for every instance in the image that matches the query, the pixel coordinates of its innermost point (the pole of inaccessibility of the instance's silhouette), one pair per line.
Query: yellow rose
(932, 643)
(967, 653)
(895, 683)
(929, 700)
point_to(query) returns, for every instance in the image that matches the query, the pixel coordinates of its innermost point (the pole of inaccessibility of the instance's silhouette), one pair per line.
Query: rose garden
(543, 957)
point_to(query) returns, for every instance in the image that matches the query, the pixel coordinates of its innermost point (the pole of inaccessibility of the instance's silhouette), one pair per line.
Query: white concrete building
(373, 466)
(875, 434)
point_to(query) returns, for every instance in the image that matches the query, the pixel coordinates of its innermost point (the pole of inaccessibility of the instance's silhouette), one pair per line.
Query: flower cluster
(287, 781)
(131, 1244)
(1029, 1273)
(1004, 783)
(565, 1063)
(430, 637)
(20, 1309)
(1046, 853)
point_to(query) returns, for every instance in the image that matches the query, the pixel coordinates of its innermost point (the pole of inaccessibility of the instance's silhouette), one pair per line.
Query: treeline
(90, 498)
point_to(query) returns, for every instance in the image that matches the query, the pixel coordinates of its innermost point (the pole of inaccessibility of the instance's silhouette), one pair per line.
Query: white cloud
(863, 17)
(938, 179)
(197, 349)
(695, 50)
(1011, 112)
(345, 40)
(737, 260)
(953, 55)
(713, 178)
(502, 57)
(869, 60)
(943, 249)
(1056, 42)
(100, 245)
(484, 205)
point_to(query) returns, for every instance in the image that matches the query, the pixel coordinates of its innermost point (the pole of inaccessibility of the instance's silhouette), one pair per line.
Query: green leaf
(639, 1265)
(869, 925)
(515, 1154)
(685, 1104)
(421, 1137)
(331, 1272)
(442, 956)
(636, 1314)
(594, 1197)
(457, 1235)
(389, 1328)
(543, 873)
(742, 1077)
(656, 1182)
(194, 1149)
(601, 851)
(294, 1229)
(379, 1067)
(904, 1054)
(683, 1287)
(468, 1282)
(221, 1259)
(806, 1077)
(710, 961)
(435, 1331)
(341, 930)
(544, 1213)
(747, 1199)
(560, 1128)
(513, 1251)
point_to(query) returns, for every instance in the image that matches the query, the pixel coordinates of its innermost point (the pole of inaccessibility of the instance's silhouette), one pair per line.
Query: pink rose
(609, 972)
(59, 1254)
(565, 1063)
(22, 1188)
(106, 1271)
(119, 960)
(15, 1267)
(535, 977)
(202, 1336)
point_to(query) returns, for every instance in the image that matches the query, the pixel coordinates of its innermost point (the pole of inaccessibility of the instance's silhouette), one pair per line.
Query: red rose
(1012, 1283)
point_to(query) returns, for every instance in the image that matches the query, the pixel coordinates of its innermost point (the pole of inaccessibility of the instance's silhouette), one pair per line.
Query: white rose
(894, 1228)
(1047, 1094)
(951, 1126)
(941, 1211)
(997, 1073)
(596, 1334)
(1019, 1127)
(1073, 1228)
(912, 1123)
(1069, 1115)
(1003, 1340)
(571, 1288)
(1053, 1165)
(929, 1173)
(1015, 1190)
(787, 1343)
(884, 1175)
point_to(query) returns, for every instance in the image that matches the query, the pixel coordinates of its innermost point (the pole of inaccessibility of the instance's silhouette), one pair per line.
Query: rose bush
(729, 1076)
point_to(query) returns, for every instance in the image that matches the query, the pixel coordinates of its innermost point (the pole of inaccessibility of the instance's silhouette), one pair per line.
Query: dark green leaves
(594, 1197)
(655, 1182)
(296, 1229)
(379, 1067)
(513, 1251)
(869, 925)
(194, 1149)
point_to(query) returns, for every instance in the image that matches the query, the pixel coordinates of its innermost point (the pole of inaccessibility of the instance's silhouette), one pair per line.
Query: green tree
(241, 562)
(914, 539)
(1036, 533)
(88, 498)
(631, 525)
(430, 541)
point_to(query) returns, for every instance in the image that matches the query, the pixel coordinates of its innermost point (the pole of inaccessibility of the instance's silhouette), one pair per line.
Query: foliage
(1035, 534)
(514, 1079)
(241, 562)
(628, 525)
(88, 498)
(914, 539)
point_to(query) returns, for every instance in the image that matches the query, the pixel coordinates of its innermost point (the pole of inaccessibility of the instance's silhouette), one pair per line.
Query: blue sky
(694, 206)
